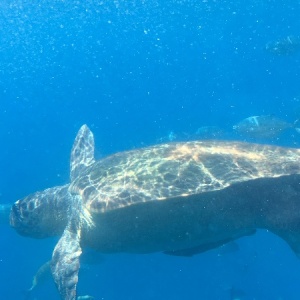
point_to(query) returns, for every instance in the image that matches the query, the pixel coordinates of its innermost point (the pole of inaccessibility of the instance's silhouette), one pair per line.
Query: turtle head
(42, 214)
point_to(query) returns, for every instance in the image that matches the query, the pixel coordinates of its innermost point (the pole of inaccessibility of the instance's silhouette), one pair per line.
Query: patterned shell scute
(178, 169)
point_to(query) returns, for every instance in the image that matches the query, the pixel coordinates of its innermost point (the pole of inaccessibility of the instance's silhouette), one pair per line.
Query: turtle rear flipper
(65, 261)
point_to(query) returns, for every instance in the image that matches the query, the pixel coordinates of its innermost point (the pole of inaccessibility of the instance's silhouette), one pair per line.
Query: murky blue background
(134, 71)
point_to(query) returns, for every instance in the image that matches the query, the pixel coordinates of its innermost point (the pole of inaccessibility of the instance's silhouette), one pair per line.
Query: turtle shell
(162, 172)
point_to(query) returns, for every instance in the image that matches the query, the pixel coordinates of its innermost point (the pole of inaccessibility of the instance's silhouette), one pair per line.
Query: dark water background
(134, 71)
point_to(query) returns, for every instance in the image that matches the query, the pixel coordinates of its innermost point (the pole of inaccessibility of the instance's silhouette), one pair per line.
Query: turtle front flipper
(82, 154)
(65, 261)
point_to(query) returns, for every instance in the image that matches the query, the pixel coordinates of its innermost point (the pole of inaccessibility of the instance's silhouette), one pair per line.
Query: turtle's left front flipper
(65, 261)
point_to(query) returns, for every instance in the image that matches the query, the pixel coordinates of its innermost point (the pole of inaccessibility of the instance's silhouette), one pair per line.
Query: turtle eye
(23, 206)
(31, 206)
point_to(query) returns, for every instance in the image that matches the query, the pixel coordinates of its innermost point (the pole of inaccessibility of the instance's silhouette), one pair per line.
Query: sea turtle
(285, 46)
(178, 198)
(264, 127)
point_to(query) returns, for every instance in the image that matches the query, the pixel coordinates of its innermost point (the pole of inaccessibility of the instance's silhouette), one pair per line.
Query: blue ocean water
(134, 71)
